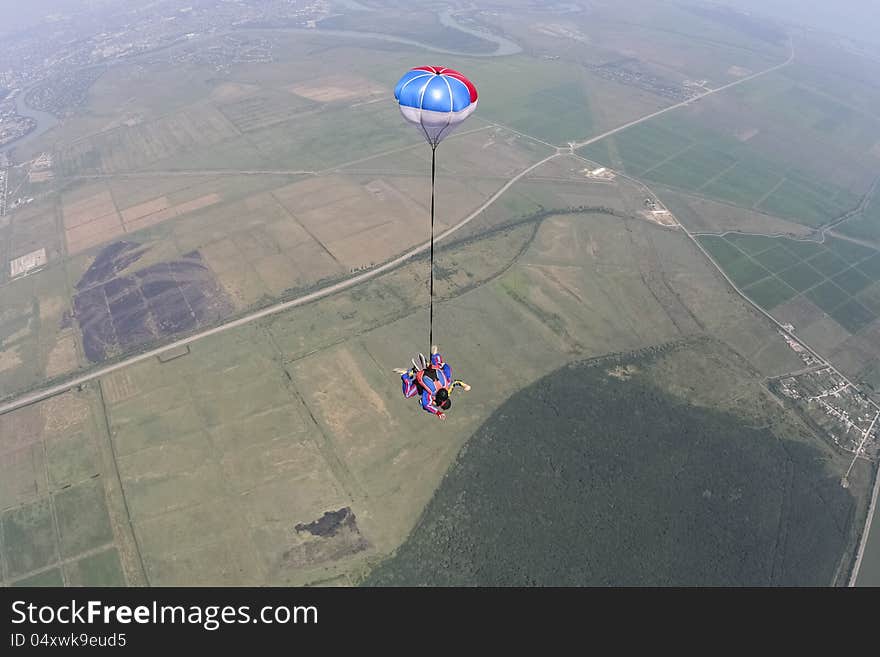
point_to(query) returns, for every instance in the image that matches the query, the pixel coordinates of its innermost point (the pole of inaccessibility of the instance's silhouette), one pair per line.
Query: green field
(801, 276)
(644, 146)
(701, 152)
(827, 262)
(100, 569)
(853, 316)
(745, 271)
(870, 267)
(722, 168)
(721, 249)
(29, 533)
(852, 280)
(83, 521)
(744, 184)
(839, 278)
(870, 298)
(836, 108)
(770, 292)
(827, 296)
(551, 92)
(62, 519)
(828, 274)
(546, 492)
(852, 252)
(777, 259)
(801, 202)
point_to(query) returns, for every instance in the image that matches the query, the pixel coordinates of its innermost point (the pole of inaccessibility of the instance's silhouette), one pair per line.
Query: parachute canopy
(436, 100)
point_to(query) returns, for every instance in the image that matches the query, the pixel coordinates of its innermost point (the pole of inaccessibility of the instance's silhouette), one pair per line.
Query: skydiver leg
(408, 384)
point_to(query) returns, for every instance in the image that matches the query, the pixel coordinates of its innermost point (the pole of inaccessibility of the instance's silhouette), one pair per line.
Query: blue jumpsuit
(412, 384)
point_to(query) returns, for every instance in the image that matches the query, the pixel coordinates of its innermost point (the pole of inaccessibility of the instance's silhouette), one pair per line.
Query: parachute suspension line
(431, 303)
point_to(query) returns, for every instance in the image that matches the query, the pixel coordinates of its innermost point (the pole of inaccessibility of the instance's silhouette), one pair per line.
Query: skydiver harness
(431, 373)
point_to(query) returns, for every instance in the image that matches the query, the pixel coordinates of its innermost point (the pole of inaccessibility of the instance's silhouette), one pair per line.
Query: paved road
(45, 393)
(865, 437)
(866, 532)
(591, 140)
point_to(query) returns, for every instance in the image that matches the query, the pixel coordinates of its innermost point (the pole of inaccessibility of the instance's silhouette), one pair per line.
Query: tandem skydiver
(433, 380)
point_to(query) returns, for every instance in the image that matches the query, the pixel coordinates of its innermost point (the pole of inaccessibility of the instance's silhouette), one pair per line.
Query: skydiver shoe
(434, 349)
(424, 361)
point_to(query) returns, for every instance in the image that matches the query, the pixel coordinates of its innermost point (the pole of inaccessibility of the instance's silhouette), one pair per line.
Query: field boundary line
(718, 176)
(669, 158)
(110, 448)
(62, 561)
(757, 204)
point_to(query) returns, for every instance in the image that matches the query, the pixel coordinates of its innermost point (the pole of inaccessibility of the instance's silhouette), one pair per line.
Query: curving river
(45, 121)
(505, 45)
(446, 17)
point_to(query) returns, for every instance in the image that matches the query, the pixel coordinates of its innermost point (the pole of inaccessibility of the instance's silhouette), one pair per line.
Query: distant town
(630, 72)
(12, 125)
(55, 66)
(829, 402)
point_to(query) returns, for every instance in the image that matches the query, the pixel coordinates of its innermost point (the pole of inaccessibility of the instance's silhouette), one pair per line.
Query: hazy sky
(18, 14)
(855, 18)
